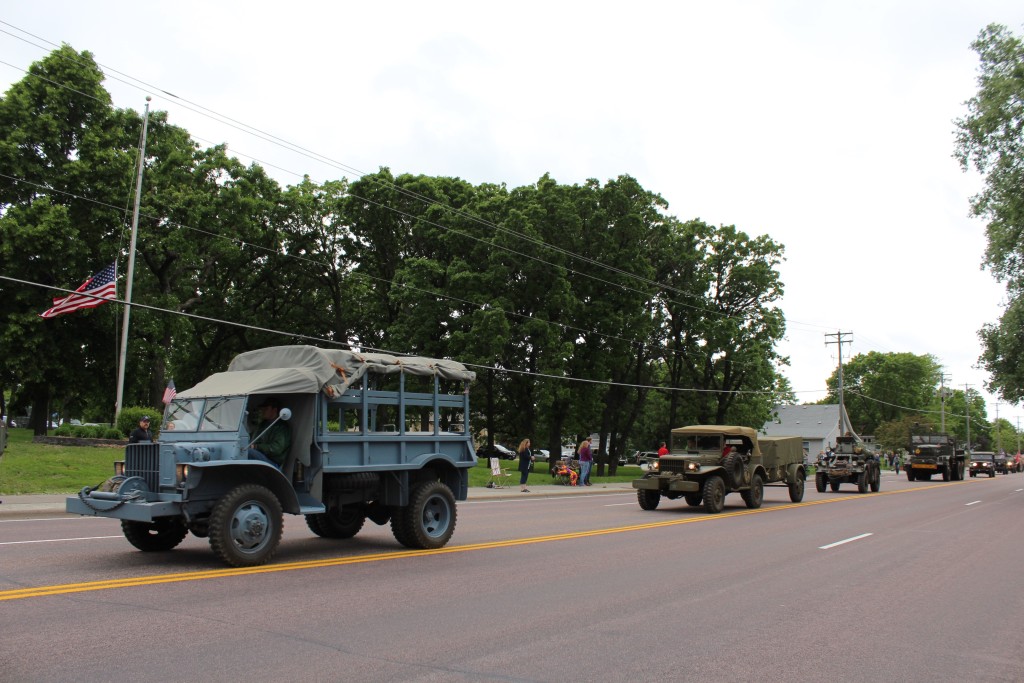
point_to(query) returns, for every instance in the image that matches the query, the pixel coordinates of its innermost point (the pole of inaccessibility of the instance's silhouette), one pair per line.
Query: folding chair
(499, 476)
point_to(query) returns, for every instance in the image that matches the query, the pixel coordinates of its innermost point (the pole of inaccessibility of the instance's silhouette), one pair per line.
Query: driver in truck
(273, 436)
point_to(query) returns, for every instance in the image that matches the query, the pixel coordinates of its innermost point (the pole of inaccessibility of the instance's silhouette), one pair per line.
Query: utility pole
(942, 401)
(1018, 435)
(967, 407)
(841, 338)
(999, 436)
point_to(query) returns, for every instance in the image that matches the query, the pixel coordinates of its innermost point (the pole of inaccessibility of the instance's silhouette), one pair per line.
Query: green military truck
(373, 436)
(706, 462)
(850, 463)
(930, 454)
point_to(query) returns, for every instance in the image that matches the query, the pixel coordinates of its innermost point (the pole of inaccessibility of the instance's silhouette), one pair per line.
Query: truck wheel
(245, 526)
(796, 490)
(834, 485)
(649, 499)
(820, 481)
(399, 530)
(163, 534)
(910, 475)
(945, 474)
(733, 465)
(862, 480)
(694, 500)
(876, 479)
(754, 496)
(337, 523)
(714, 495)
(430, 515)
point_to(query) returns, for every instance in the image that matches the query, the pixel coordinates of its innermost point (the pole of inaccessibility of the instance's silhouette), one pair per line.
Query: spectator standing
(141, 434)
(586, 460)
(662, 450)
(525, 464)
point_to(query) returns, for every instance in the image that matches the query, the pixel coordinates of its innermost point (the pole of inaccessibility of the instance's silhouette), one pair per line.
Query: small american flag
(97, 290)
(169, 393)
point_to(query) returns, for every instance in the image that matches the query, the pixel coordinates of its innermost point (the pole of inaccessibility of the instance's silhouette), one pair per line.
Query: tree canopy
(583, 307)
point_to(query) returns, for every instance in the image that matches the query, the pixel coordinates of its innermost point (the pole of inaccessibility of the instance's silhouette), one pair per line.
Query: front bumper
(132, 511)
(667, 482)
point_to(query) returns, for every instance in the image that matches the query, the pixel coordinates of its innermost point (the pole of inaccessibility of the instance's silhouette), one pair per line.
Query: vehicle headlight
(692, 466)
(119, 468)
(653, 465)
(181, 471)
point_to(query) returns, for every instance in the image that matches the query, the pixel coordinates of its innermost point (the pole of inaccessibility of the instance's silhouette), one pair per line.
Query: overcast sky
(825, 125)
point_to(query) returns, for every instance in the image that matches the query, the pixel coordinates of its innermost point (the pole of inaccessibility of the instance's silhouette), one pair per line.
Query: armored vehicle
(930, 454)
(706, 462)
(373, 436)
(850, 463)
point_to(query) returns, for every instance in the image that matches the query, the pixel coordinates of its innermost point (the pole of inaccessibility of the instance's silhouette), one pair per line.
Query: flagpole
(131, 266)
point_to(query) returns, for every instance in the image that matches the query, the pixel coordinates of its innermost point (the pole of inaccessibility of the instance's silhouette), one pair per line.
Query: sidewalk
(53, 504)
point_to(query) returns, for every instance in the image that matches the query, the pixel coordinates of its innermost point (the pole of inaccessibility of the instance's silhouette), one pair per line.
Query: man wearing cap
(273, 437)
(141, 434)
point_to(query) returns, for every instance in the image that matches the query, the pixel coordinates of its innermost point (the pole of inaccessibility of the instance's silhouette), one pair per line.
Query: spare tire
(733, 464)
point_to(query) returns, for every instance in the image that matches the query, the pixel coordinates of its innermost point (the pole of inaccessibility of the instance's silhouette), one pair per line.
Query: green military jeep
(706, 462)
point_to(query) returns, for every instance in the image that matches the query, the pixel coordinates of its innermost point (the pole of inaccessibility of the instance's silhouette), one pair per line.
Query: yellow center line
(68, 588)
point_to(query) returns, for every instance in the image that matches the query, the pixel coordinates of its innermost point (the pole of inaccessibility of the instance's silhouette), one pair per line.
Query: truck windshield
(204, 415)
(222, 414)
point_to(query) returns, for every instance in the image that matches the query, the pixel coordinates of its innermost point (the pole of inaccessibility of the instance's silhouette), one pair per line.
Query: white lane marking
(1018, 490)
(848, 540)
(973, 502)
(58, 540)
(611, 505)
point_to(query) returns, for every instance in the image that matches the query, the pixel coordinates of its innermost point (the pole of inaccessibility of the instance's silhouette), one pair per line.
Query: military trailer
(373, 436)
(934, 454)
(706, 462)
(850, 463)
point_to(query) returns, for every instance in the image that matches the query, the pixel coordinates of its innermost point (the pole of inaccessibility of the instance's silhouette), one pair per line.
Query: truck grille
(671, 465)
(143, 460)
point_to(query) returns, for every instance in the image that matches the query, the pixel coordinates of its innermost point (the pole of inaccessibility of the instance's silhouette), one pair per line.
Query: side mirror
(285, 414)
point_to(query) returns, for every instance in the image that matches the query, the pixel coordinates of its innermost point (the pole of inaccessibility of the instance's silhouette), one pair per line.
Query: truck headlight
(119, 468)
(653, 466)
(692, 466)
(181, 471)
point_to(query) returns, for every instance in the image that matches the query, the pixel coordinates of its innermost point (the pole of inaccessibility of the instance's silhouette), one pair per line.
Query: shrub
(128, 419)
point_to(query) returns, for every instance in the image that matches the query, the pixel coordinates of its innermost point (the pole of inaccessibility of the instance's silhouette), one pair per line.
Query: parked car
(541, 453)
(499, 451)
(641, 457)
(983, 462)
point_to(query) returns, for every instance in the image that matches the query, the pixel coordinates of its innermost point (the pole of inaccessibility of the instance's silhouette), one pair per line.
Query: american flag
(170, 392)
(97, 290)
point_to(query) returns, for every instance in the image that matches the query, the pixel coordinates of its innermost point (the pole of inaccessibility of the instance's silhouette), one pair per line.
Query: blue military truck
(373, 436)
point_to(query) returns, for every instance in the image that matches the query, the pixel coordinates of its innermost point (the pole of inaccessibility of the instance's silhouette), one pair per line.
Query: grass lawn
(27, 467)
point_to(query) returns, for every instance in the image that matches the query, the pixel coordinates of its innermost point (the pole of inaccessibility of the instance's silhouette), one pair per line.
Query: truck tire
(337, 523)
(162, 535)
(876, 479)
(946, 475)
(796, 490)
(714, 495)
(754, 496)
(649, 499)
(820, 481)
(694, 500)
(733, 465)
(863, 480)
(430, 516)
(910, 475)
(834, 485)
(245, 526)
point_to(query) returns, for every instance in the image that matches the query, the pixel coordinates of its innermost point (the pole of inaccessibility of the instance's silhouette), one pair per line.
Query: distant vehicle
(850, 463)
(930, 454)
(541, 454)
(983, 462)
(1002, 463)
(499, 451)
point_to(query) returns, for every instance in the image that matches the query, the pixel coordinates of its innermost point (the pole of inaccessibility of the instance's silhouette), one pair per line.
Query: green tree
(990, 139)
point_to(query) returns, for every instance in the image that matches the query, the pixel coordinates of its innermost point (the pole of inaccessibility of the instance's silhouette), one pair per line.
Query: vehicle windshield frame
(213, 414)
